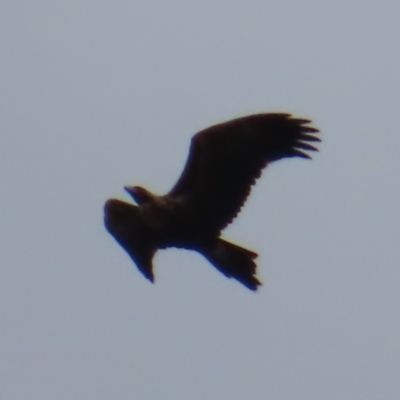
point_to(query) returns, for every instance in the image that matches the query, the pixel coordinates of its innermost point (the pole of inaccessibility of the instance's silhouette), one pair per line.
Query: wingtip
(305, 146)
(306, 134)
(148, 275)
(252, 283)
(255, 285)
(309, 138)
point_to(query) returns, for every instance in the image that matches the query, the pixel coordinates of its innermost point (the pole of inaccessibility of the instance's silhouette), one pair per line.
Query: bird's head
(139, 194)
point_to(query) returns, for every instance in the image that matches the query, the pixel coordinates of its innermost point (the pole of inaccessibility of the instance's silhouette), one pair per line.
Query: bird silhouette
(224, 162)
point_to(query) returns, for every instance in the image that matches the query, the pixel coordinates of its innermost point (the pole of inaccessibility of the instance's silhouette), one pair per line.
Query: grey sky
(99, 94)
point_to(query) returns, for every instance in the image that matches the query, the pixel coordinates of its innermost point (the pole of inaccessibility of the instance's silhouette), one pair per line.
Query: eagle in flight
(224, 162)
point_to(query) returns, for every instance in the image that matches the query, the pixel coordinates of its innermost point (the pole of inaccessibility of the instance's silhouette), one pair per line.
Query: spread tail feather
(234, 262)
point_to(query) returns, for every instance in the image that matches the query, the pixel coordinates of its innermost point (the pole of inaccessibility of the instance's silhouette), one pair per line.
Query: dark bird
(224, 162)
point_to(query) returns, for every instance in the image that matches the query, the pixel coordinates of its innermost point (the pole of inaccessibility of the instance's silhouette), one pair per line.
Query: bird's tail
(234, 262)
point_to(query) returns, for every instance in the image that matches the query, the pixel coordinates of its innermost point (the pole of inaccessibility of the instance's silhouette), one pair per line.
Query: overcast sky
(99, 94)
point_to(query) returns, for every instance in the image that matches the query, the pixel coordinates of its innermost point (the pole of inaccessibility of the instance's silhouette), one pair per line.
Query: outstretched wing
(225, 160)
(123, 222)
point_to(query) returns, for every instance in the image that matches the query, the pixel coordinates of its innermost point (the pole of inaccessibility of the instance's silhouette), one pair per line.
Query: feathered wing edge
(225, 161)
(200, 142)
(123, 223)
(307, 134)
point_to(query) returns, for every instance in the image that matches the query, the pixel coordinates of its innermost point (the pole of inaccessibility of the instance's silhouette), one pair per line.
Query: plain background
(99, 94)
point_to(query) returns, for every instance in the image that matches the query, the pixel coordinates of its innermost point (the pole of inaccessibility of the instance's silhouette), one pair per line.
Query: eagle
(224, 162)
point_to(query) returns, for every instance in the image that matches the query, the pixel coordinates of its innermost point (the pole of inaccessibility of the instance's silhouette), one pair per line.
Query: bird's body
(224, 161)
